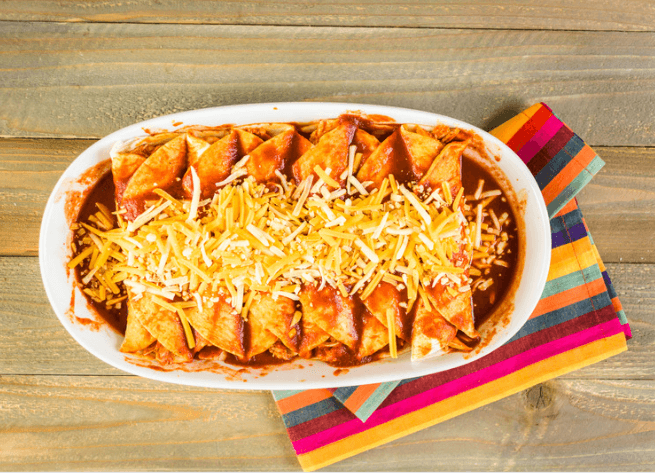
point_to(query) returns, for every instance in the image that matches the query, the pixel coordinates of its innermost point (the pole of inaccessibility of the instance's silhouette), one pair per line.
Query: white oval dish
(54, 253)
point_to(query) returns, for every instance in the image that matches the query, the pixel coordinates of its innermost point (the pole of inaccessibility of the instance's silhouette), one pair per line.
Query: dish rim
(358, 375)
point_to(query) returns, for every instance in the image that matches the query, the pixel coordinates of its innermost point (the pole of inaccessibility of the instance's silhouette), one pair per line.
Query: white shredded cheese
(369, 253)
(288, 295)
(232, 177)
(303, 195)
(357, 185)
(283, 180)
(262, 236)
(242, 162)
(426, 241)
(378, 230)
(417, 204)
(146, 216)
(198, 299)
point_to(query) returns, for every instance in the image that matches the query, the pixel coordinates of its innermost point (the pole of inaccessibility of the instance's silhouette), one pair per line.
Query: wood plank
(506, 14)
(34, 342)
(619, 204)
(29, 170)
(129, 423)
(107, 423)
(86, 80)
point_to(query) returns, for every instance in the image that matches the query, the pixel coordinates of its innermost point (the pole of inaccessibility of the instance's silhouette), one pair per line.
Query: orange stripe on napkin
(616, 303)
(566, 175)
(568, 297)
(569, 207)
(303, 399)
(360, 396)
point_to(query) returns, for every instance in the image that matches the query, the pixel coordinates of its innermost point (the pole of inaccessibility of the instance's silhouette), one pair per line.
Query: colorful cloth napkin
(578, 321)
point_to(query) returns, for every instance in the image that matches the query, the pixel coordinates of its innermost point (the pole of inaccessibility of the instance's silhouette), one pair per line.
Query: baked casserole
(343, 240)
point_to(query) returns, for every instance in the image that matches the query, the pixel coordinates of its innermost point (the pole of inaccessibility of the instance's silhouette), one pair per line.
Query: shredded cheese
(193, 212)
(351, 158)
(369, 253)
(358, 185)
(391, 328)
(250, 238)
(478, 227)
(147, 216)
(80, 257)
(381, 226)
(417, 205)
(183, 320)
(325, 176)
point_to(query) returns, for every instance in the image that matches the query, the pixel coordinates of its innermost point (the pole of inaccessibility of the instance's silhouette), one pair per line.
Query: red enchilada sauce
(103, 193)
(338, 355)
(485, 301)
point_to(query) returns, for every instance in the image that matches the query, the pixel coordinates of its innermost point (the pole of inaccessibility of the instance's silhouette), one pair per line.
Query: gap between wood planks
(310, 25)
(556, 15)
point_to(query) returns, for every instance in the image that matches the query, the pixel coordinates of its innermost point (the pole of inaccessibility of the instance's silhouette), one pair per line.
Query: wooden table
(71, 72)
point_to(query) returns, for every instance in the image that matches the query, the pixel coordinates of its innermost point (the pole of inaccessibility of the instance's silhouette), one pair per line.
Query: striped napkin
(578, 321)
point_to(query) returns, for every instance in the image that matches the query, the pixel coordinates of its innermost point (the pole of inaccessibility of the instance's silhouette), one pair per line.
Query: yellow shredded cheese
(320, 172)
(193, 211)
(413, 200)
(80, 257)
(250, 239)
(446, 193)
(391, 330)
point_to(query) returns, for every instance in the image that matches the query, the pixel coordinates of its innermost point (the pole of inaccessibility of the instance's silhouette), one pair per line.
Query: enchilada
(342, 240)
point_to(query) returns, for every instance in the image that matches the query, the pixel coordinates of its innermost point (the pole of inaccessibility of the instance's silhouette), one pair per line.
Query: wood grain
(74, 423)
(107, 423)
(618, 204)
(76, 71)
(34, 342)
(636, 15)
(29, 170)
(87, 80)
